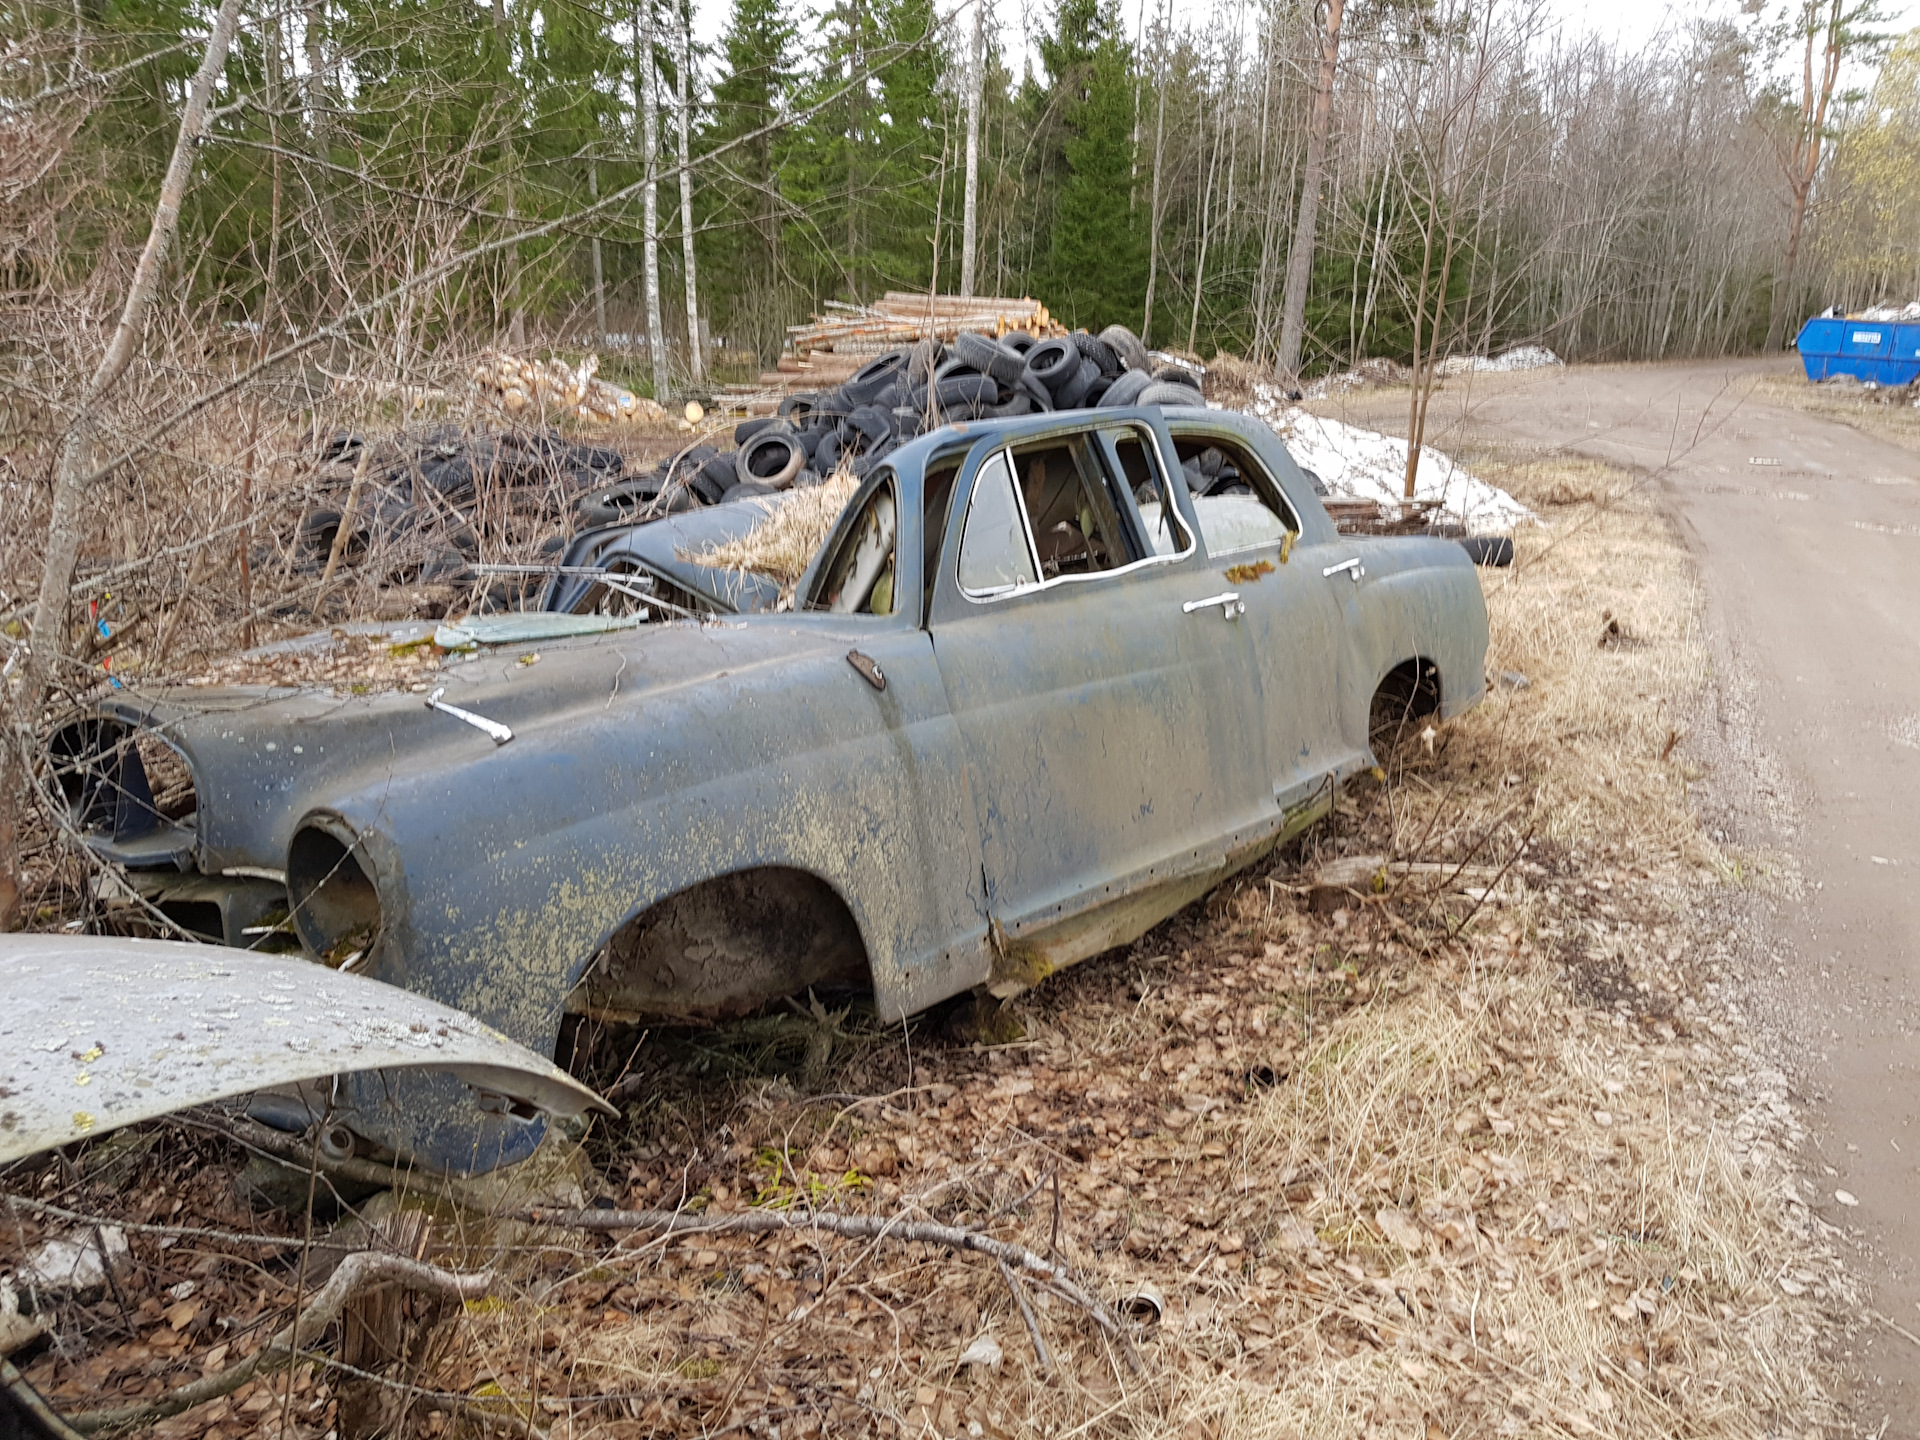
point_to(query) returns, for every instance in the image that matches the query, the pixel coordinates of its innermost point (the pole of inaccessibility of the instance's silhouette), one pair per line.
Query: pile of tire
(890, 400)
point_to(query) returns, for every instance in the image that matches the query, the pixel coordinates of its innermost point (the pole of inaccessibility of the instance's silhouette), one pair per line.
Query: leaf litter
(1461, 1153)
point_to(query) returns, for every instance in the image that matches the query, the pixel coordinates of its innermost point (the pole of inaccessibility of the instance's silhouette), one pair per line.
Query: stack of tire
(890, 400)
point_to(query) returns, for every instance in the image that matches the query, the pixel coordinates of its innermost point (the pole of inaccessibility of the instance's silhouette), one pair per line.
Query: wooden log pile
(829, 348)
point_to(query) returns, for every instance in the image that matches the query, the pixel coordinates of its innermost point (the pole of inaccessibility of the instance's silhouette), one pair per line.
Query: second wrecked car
(1035, 692)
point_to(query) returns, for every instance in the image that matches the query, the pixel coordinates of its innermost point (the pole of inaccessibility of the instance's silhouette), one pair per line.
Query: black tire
(1162, 392)
(798, 408)
(773, 457)
(1073, 394)
(923, 359)
(1041, 397)
(317, 529)
(1175, 375)
(746, 489)
(1096, 390)
(1020, 404)
(872, 423)
(990, 357)
(616, 504)
(1125, 389)
(709, 482)
(826, 455)
(807, 479)
(722, 470)
(1054, 363)
(747, 429)
(1127, 347)
(1092, 347)
(1496, 550)
(957, 392)
(875, 378)
(1018, 341)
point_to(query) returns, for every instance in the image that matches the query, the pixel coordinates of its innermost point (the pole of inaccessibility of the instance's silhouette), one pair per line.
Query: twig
(1026, 1313)
(849, 1227)
(1894, 1326)
(357, 1272)
(1519, 850)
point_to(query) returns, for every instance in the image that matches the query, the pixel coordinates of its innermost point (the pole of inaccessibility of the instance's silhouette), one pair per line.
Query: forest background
(422, 177)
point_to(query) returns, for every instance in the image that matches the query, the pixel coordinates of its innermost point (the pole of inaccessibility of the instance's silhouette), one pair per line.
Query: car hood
(149, 1027)
(262, 756)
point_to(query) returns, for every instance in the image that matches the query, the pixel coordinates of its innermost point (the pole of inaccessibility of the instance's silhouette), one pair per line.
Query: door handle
(1232, 607)
(1353, 568)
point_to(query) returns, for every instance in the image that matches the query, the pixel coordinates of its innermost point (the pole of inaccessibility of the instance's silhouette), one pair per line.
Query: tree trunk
(599, 271)
(72, 480)
(1153, 210)
(1803, 158)
(683, 120)
(1293, 304)
(650, 156)
(969, 216)
(516, 321)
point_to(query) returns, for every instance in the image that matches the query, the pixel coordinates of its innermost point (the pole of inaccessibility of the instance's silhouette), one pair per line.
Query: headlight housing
(331, 893)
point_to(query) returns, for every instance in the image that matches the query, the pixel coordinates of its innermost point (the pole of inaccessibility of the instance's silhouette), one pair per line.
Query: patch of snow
(1521, 357)
(1366, 465)
(73, 1262)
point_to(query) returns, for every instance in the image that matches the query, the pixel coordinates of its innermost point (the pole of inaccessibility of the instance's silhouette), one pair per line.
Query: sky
(1637, 21)
(1633, 22)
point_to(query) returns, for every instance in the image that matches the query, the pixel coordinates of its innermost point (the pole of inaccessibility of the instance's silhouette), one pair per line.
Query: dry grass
(781, 546)
(1429, 1164)
(1890, 413)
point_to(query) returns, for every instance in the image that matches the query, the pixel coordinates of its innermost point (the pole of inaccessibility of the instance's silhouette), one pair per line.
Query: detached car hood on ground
(99, 1032)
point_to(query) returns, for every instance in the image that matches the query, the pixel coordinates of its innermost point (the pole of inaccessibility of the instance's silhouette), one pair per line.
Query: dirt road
(1807, 532)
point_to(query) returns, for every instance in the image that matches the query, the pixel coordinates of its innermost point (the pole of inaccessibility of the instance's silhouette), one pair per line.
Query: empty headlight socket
(333, 892)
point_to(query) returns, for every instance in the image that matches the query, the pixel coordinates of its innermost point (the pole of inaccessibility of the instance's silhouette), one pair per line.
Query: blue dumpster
(1883, 351)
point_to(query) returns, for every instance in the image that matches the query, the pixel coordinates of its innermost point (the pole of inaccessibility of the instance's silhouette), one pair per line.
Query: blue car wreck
(1040, 688)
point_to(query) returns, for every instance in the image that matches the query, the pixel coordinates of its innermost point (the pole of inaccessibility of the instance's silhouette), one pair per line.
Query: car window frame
(821, 567)
(1169, 502)
(1094, 437)
(1288, 510)
(1001, 453)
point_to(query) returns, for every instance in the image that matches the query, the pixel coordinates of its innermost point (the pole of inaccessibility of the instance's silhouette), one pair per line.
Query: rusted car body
(1033, 695)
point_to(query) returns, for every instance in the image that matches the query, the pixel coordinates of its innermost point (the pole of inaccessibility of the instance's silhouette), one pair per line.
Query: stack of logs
(827, 350)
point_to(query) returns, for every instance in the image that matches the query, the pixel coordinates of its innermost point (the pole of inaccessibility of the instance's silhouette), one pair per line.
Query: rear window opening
(1238, 503)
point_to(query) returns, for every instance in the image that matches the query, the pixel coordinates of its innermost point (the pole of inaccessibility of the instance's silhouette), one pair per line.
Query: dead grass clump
(1236, 382)
(1596, 663)
(783, 545)
(1889, 411)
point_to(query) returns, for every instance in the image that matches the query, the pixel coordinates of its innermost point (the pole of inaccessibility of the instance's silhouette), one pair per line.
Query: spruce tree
(741, 202)
(1095, 267)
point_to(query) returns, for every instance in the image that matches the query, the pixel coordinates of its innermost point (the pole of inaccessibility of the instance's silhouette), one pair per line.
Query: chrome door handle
(1232, 607)
(1352, 567)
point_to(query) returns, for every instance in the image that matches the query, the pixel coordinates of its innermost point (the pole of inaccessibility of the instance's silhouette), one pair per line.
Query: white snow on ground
(1366, 465)
(1521, 357)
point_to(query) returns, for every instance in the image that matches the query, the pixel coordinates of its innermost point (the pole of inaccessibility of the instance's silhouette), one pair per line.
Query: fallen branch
(1016, 1258)
(359, 1271)
(1026, 1313)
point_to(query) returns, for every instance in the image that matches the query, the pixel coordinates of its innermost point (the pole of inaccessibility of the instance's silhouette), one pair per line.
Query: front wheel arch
(724, 947)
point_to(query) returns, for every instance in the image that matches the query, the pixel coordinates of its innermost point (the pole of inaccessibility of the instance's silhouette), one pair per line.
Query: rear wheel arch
(1409, 691)
(725, 946)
